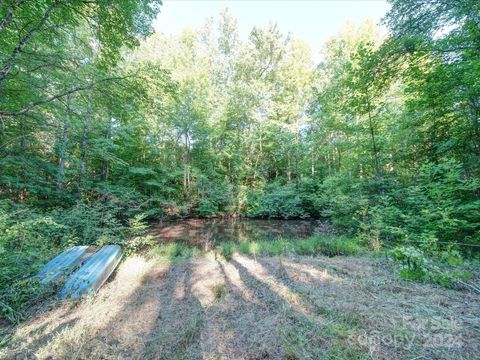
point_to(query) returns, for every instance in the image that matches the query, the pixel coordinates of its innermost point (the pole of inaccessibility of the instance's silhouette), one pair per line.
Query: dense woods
(105, 127)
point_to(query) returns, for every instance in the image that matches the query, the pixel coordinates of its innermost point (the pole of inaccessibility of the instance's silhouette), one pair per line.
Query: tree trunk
(105, 167)
(63, 150)
(289, 170)
(312, 169)
(374, 145)
(84, 144)
(186, 155)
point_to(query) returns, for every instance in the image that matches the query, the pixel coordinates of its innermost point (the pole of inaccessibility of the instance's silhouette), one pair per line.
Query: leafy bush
(214, 197)
(343, 201)
(440, 208)
(27, 238)
(413, 263)
(139, 238)
(277, 201)
(444, 269)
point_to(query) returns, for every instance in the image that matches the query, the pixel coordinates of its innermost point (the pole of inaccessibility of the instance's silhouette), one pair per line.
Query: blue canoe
(62, 264)
(93, 274)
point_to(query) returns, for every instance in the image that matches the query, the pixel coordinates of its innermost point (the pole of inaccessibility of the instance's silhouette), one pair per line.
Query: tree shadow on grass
(299, 331)
(29, 347)
(171, 311)
(270, 308)
(180, 321)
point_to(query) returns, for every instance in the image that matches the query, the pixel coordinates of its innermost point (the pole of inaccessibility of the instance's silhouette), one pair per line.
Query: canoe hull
(62, 265)
(93, 274)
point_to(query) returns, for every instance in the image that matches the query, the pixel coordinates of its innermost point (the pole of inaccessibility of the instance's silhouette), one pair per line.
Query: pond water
(210, 232)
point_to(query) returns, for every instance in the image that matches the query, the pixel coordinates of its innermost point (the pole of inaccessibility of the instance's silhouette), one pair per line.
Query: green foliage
(433, 211)
(29, 237)
(443, 269)
(215, 197)
(381, 138)
(413, 261)
(277, 201)
(343, 200)
(139, 239)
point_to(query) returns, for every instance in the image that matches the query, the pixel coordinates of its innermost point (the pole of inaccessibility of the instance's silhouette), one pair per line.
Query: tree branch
(23, 41)
(29, 107)
(9, 14)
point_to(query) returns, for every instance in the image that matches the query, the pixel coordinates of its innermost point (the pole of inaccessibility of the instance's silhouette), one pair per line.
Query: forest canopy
(105, 125)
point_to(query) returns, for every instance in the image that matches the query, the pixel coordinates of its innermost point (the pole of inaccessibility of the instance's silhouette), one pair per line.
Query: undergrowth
(445, 268)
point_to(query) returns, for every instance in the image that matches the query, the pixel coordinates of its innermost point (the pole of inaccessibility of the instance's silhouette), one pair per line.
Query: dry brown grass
(279, 308)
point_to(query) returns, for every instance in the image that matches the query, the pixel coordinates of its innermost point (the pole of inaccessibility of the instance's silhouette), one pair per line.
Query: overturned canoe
(62, 264)
(91, 276)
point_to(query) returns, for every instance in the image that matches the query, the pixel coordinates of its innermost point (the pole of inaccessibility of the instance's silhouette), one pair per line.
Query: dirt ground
(263, 308)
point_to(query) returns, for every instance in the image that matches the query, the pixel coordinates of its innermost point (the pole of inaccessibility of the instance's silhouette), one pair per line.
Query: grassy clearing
(176, 303)
(283, 299)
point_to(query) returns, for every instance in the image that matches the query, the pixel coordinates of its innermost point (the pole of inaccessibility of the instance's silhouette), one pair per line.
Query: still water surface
(211, 232)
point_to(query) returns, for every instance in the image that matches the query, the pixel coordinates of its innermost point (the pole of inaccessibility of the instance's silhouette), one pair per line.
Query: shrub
(413, 263)
(277, 201)
(443, 269)
(343, 201)
(214, 197)
(139, 237)
(29, 237)
(437, 210)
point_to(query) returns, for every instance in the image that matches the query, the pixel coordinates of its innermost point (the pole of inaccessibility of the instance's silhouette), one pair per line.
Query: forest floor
(256, 308)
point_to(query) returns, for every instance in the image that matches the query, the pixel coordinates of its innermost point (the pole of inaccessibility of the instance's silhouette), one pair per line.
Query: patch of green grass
(219, 291)
(255, 247)
(316, 245)
(226, 250)
(243, 248)
(306, 246)
(340, 246)
(191, 332)
(182, 344)
(276, 247)
(347, 318)
(304, 338)
(344, 351)
(173, 252)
